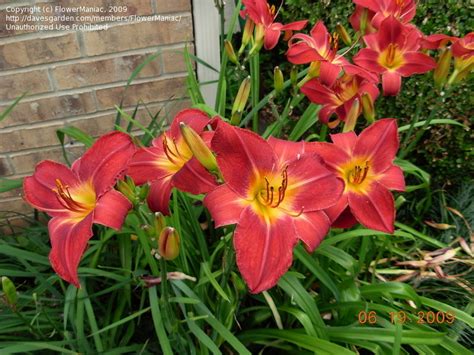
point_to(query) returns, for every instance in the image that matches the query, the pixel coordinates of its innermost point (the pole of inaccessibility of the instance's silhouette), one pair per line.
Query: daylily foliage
(276, 192)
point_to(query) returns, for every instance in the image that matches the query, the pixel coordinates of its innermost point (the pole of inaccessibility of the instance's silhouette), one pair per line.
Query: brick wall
(76, 77)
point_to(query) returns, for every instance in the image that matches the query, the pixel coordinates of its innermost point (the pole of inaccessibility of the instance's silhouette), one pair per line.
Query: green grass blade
(121, 321)
(9, 109)
(396, 289)
(158, 321)
(213, 281)
(10, 184)
(443, 307)
(433, 122)
(305, 122)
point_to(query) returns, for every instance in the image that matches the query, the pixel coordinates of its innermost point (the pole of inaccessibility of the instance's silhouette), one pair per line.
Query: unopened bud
(278, 79)
(343, 34)
(159, 222)
(200, 150)
(363, 20)
(9, 291)
(127, 188)
(352, 116)
(144, 189)
(259, 34)
(368, 107)
(168, 243)
(242, 96)
(248, 32)
(441, 72)
(294, 76)
(230, 52)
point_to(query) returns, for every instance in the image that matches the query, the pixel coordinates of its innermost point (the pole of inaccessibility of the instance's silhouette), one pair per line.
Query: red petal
(301, 53)
(286, 150)
(311, 228)
(416, 63)
(329, 73)
(143, 166)
(295, 26)
(332, 155)
(111, 209)
(369, 4)
(391, 83)
(335, 211)
(311, 186)
(224, 205)
(68, 243)
(375, 209)
(271, 38)
(243, 156)
(368, 58)
(345, 141)
(159, 195)
(345, 220)
(38, 189)
(379, 143)
(320, 35)
(391, 31)
(194, 118)
(106, 160)
(194, 178)
(318, 93)
(393, 179)
(264, 251)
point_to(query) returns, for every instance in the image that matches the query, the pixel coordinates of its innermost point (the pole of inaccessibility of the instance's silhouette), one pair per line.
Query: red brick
(5, 169)
(33, 82)
(15, 206)
(104, 71)
(49, 109)
(137, 35)
(29, 138)
(39, 51)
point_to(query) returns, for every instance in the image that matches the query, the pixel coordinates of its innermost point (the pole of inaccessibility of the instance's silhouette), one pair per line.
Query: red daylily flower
(79, 196)
(402, 10)
(338, 96)
(436, 41)
(260, 12)
(275, 193)
(169, 163)
(320, 46)
(463, 53)
(365, 164)
(393, 52)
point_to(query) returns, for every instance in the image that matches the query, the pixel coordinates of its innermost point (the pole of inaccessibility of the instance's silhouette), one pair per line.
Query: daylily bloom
(319, 46)
(436, 41)
(169, 162)
(463, 53)
(263, 15)
(402, 10)
(337, 97)
(79, 196)
(275, 193)
(393, 52)
(365, 164)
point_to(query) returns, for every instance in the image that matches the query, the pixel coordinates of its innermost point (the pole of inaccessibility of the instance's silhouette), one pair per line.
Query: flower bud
(343, 34)
(241, 98)
(9, 291)
(294, 76)
(168, 243)
(278, 79)
(363, 21)
(352, 116)
(248, 32)
(143, 194)
(127, 188)
(368, 107)
(230, 52)
(159, 222)
(259, 34)
(441, 72)
(200, 150)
